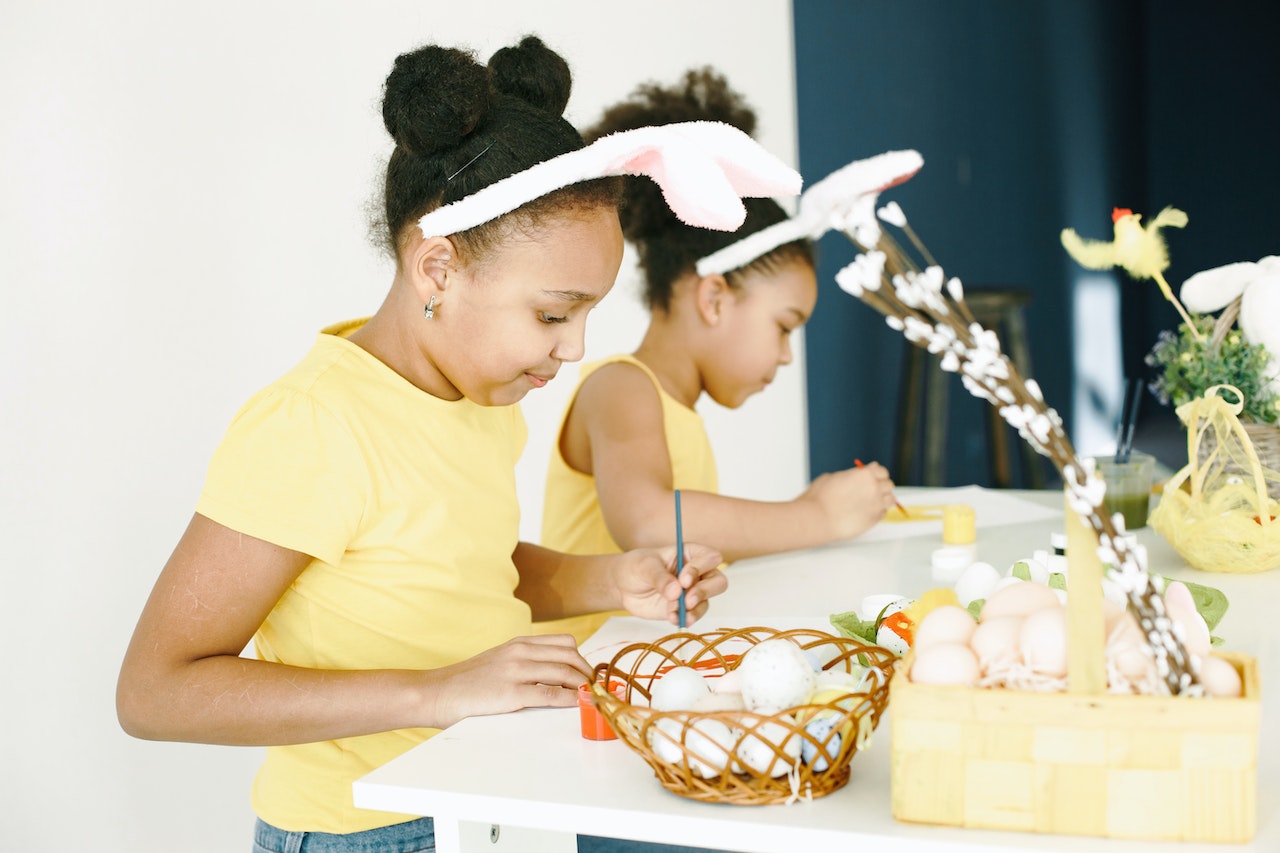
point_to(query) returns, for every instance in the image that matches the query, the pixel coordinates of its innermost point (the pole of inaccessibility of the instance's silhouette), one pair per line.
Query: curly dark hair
(460, 126)
(667, 247)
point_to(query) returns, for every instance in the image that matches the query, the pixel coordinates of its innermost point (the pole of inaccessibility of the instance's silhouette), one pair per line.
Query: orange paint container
(594, 725)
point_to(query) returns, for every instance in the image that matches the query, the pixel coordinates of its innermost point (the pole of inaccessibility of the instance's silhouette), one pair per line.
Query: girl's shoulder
(619, 391)
(622, 377)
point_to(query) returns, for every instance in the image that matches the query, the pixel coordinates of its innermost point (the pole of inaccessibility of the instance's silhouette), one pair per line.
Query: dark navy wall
(1031, 115)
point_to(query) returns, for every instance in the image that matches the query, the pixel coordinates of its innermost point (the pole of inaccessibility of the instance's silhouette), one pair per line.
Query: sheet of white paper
(991, 508)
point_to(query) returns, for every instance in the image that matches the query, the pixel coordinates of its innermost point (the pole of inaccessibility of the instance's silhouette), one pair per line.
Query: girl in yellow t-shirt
(359, 519)
(630, 435)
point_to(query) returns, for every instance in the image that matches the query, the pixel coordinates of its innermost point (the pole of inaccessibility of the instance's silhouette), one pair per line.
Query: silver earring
(430, 310)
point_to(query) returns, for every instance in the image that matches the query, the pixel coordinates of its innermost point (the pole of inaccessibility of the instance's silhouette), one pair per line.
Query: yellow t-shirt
(407, 503)
(572, 520)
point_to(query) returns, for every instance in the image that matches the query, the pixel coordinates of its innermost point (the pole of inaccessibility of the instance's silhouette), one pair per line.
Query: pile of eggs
(1020, 641)
(774, 679)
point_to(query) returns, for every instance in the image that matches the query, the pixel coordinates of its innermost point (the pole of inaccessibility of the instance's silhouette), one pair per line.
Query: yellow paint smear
(914, 513)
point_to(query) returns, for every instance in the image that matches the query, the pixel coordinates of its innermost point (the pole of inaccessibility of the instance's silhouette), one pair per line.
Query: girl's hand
(852, 501)
(649, 587)
(526, 672)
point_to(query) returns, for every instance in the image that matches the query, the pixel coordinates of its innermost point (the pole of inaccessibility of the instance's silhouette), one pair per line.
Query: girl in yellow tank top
(631, 435)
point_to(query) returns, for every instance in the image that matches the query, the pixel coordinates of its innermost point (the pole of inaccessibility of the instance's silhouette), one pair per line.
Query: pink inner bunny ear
(697, 192)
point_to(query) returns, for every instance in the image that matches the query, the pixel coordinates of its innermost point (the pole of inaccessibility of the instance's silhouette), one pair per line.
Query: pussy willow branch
(924, 322)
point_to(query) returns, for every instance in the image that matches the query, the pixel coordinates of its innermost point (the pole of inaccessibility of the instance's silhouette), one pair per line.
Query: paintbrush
(681, 614)
(902, 509)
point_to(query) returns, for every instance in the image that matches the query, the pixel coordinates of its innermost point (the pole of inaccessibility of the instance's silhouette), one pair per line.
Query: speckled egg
(775, 675)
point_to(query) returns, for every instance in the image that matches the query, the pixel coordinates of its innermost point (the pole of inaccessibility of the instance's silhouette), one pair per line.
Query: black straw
(1129, 418)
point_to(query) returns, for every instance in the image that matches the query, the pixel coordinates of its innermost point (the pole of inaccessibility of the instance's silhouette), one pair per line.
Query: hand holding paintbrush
(900, 507)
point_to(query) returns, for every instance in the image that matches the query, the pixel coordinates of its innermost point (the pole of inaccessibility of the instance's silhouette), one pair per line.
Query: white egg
(1219, 677)
(1044, 641)
(775, 675)
(945, 624)
(996, 641)
(664, 739)
(1037, 571)
(770, 748)
(837, 678)
(976, 582)
(730, 682)
(945, 663)
(678, 689)
(719, 702)
(708, 745)
(1019, 599)
(1006, 581)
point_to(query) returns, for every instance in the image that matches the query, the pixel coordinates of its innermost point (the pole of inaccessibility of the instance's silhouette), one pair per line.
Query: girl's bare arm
(183, 677)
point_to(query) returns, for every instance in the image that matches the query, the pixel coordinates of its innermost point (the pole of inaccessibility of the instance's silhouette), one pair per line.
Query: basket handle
(1086, 666)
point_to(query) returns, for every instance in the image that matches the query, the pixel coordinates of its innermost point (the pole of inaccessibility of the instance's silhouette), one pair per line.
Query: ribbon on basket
(1216, 511)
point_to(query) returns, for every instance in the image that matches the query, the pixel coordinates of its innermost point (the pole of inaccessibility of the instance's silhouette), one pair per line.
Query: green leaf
(851, 625)
(1210, 602)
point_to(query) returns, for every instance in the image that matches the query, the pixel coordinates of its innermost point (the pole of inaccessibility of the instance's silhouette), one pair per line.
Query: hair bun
(534, 73)
(433, 97)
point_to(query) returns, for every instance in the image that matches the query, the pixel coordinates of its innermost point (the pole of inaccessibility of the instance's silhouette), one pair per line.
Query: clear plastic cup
(1128, 487)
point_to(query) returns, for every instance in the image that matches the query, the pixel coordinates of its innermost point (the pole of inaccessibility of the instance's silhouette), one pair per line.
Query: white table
(533, 769)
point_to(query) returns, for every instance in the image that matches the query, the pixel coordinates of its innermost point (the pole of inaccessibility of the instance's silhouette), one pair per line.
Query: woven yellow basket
(1220, 513)
(675, 745)
(1083, 762)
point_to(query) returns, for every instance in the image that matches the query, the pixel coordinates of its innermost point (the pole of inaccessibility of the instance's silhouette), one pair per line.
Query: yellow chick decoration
(1139, 250)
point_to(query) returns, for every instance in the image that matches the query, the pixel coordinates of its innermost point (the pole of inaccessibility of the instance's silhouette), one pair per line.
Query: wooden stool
(925, 383)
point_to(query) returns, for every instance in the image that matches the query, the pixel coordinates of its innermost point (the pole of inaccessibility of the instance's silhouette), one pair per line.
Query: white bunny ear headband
(843, 200)
(704, 169)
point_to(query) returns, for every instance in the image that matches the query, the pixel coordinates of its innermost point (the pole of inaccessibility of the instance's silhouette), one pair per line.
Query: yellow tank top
(572, 520)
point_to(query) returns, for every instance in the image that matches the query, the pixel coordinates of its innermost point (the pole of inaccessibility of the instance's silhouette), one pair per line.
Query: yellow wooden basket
(1083, 762)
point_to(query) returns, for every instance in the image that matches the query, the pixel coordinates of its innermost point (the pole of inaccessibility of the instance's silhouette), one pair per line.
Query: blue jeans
(415, 836)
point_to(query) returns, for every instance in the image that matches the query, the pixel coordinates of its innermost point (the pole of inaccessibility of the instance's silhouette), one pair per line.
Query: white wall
(182, 194)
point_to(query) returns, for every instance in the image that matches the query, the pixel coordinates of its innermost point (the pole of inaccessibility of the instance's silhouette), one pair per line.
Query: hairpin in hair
(704, 169)
(846, 195)
(468, 163)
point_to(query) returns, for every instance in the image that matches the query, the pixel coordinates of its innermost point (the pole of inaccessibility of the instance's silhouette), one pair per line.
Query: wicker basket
(679, 735)
(1266, 443)
(1264, 437)
(1083, 762)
